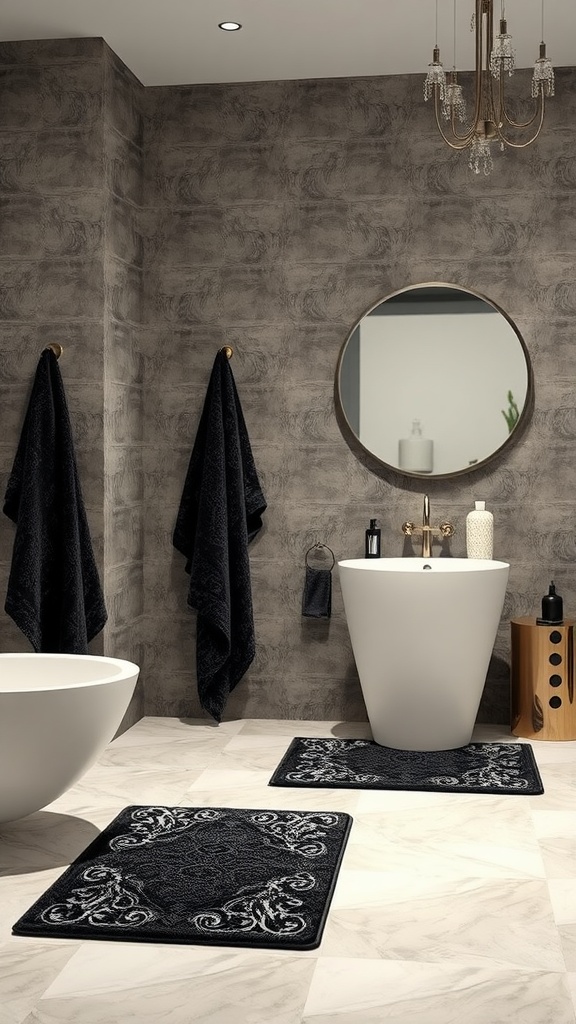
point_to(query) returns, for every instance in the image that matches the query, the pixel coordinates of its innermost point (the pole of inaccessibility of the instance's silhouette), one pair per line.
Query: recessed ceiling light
(230, 26)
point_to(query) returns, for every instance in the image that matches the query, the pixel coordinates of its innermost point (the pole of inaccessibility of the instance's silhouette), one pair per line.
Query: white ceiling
(171, 42)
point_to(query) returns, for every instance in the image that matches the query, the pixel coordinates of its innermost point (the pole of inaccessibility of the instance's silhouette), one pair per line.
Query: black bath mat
(363, 764)
(206, 875)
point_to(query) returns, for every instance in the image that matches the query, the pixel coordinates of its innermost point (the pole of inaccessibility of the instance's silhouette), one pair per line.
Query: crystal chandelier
(491, 122)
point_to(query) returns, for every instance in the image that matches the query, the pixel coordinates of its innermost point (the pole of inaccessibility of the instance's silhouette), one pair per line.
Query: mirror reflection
(434, 380)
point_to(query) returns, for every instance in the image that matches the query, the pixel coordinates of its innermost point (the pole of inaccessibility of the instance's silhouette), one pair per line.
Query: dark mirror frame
(513, 437)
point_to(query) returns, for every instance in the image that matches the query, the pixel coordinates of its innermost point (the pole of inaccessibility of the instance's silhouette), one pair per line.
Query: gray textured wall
(70, 268)
(123, 498)
(272, 215)
(51, 255)
(275, 215)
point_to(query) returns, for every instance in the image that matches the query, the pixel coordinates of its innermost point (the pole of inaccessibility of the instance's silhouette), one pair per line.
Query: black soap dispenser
(373, 540)
(552, 608)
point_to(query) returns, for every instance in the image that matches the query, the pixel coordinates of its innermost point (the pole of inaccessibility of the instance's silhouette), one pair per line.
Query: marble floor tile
(43, 840)
(249, 788)
(559, 788)
(113, 983)
(554, 824)
(194, 752)
(567, 935)
(28, 967)
(559, 856)
(548, 752)
(476, 921)
(447, 908)
(152, 730)
(563, 899)
(110, 787)
(449, 839)
(299, 727)
(17, 893)
(372, 992)
(262, 752)
(571, 981)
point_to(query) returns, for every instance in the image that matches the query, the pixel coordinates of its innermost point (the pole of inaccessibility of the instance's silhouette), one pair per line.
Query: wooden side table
(543, 699)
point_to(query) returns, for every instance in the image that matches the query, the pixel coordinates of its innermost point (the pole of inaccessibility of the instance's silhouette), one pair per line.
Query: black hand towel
(317, 595)
(220, 513)
(54, 593)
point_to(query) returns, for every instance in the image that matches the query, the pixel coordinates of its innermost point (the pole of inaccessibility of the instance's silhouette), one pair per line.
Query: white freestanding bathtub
(57, 714)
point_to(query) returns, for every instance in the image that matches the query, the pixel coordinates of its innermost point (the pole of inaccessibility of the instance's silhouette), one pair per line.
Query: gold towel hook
(55, 348)
(228, 351)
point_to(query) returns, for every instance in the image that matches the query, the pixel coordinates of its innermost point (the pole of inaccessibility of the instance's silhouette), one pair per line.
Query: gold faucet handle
(446, 529)
(408, 529)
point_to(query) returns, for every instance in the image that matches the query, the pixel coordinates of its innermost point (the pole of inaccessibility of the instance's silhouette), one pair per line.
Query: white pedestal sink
(422, 633)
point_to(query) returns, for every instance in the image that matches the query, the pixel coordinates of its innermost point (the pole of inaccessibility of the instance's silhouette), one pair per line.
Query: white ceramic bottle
(479, 532)
(415, 453)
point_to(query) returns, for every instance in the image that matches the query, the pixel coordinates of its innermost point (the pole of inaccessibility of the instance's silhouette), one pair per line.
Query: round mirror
(434, 381)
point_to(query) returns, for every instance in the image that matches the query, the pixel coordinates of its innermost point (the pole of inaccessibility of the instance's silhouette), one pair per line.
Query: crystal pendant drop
(503, 56)
(436, 77)
(454, 105)
(543, 77)
(480, 156)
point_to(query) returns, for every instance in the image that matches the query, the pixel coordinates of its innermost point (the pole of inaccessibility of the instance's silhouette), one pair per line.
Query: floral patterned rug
(207, 875)
(363, 764)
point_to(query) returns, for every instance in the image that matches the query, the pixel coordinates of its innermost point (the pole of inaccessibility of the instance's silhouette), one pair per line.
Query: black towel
(317, 595)
(220, 513)
(54, 593)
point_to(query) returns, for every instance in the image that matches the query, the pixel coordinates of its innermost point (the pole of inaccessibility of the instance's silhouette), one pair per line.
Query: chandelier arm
(460, 144)
(459, 141)
(538, 115)
(509, 121)
(527, 142)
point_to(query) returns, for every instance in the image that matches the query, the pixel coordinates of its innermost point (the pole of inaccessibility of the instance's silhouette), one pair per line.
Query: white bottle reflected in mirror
(416, 453)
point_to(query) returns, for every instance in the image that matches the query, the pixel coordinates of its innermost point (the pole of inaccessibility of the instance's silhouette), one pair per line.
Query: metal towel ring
(315, 547)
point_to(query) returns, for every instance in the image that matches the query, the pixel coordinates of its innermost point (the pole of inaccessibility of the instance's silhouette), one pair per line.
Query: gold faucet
(444, 530)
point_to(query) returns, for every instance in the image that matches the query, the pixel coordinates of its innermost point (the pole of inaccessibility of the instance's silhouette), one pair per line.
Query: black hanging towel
(220, 513)
(54, 594)
(317, 594)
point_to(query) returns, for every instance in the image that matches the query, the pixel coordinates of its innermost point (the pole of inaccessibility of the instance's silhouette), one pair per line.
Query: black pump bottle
(373, 540)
